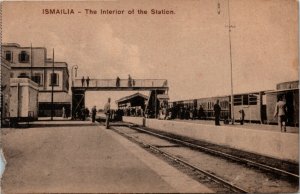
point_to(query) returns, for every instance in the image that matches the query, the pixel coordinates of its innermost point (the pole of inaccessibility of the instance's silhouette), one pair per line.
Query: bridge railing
(123, 83)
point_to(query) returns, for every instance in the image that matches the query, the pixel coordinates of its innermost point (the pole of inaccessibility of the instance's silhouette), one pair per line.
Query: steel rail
(229, 156)
(212, 177)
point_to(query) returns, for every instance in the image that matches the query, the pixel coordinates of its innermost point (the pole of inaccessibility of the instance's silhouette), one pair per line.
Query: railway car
(252, 105)
(290, 93)
(258, 107)
(208, 106)
(23, 100)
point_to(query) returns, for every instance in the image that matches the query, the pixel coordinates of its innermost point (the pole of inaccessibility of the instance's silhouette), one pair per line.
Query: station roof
(163, 97)
(279, 91)
(131, 98)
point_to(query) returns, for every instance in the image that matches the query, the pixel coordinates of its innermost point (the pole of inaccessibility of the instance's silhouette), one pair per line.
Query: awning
(131, 97)
(280, 91)
(163, 97)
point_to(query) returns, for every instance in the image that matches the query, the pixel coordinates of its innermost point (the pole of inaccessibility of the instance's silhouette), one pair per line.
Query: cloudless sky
(189, 48)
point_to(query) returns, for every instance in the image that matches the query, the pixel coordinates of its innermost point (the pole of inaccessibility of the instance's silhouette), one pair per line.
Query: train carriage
(208, 106)
(290, 93)
(251, 104)
(258, 107)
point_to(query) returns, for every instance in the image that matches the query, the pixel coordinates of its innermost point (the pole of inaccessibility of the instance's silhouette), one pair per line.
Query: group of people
(180, 113)
(87, 81)
(107, 112)
(133, 111)
(193, 113)
(130, 82)
(82, 114)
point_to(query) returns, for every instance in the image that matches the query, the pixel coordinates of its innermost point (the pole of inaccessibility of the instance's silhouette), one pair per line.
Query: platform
(247, 125)
(258, 139)
(79, 156)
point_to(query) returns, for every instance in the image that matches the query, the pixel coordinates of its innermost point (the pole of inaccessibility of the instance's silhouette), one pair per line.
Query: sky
(189, 48)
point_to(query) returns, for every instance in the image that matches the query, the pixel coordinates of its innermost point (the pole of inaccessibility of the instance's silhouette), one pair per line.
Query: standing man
(63, 112)
(242, 114)
(217, 110)
(87, 81)
(129, 81)
(201, 112)
(118, 82)
(82, 81)
(94, 111)
(107, 112)
(83, 114)
(280, 111)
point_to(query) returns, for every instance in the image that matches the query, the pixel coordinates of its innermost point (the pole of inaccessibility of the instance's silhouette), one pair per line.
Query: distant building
(32, 62)
(5, 90)
(134, 100)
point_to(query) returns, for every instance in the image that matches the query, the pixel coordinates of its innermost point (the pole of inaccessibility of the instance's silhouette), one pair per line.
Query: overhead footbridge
(81, 86)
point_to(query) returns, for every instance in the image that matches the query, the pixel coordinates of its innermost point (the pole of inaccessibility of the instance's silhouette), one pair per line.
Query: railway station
(159, 145)
(202, 99)
(147, 143)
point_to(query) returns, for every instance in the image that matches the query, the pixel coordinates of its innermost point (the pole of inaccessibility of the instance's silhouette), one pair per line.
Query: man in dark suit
(107, 113)
(217, 110)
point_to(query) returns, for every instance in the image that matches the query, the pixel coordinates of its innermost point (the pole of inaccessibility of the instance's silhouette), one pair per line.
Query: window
(23, 75)
(245, 100)
(23, 57)
(37, 78)
(237, 100)
(8, 56)
(54, 79)
(253, 99)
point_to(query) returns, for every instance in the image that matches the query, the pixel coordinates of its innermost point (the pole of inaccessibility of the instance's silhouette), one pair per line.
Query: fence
(122, 83)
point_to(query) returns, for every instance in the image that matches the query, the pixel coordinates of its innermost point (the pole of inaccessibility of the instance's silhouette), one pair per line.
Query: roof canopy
(136, 99)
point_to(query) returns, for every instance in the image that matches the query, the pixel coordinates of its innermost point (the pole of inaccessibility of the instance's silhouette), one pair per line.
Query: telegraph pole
(230, 53)
(31, 61)
(52, 86)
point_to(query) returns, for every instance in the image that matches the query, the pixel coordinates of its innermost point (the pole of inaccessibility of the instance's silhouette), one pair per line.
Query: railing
(123, 83)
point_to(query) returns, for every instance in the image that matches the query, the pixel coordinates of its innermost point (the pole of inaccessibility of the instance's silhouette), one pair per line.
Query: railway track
(212, 177)
(196, 168)
(248, 162)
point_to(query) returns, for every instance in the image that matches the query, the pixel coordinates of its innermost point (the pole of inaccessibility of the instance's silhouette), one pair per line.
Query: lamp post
(75, 67)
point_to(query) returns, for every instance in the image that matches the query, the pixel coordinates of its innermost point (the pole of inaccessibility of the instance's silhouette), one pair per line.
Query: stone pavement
(77, 156)
(255, 126)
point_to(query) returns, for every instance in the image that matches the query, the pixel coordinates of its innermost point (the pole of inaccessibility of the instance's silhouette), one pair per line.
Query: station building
(133, 105)
(134, 100)
(32, 62)
(5, 89)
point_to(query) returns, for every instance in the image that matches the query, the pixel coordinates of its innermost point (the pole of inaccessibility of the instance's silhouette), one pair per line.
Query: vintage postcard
(150, 96)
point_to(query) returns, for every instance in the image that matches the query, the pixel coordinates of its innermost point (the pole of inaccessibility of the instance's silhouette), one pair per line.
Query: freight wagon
(23, 100)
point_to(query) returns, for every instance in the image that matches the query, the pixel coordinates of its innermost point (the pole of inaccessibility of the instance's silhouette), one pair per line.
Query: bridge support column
(78, 103)
(153, 102)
